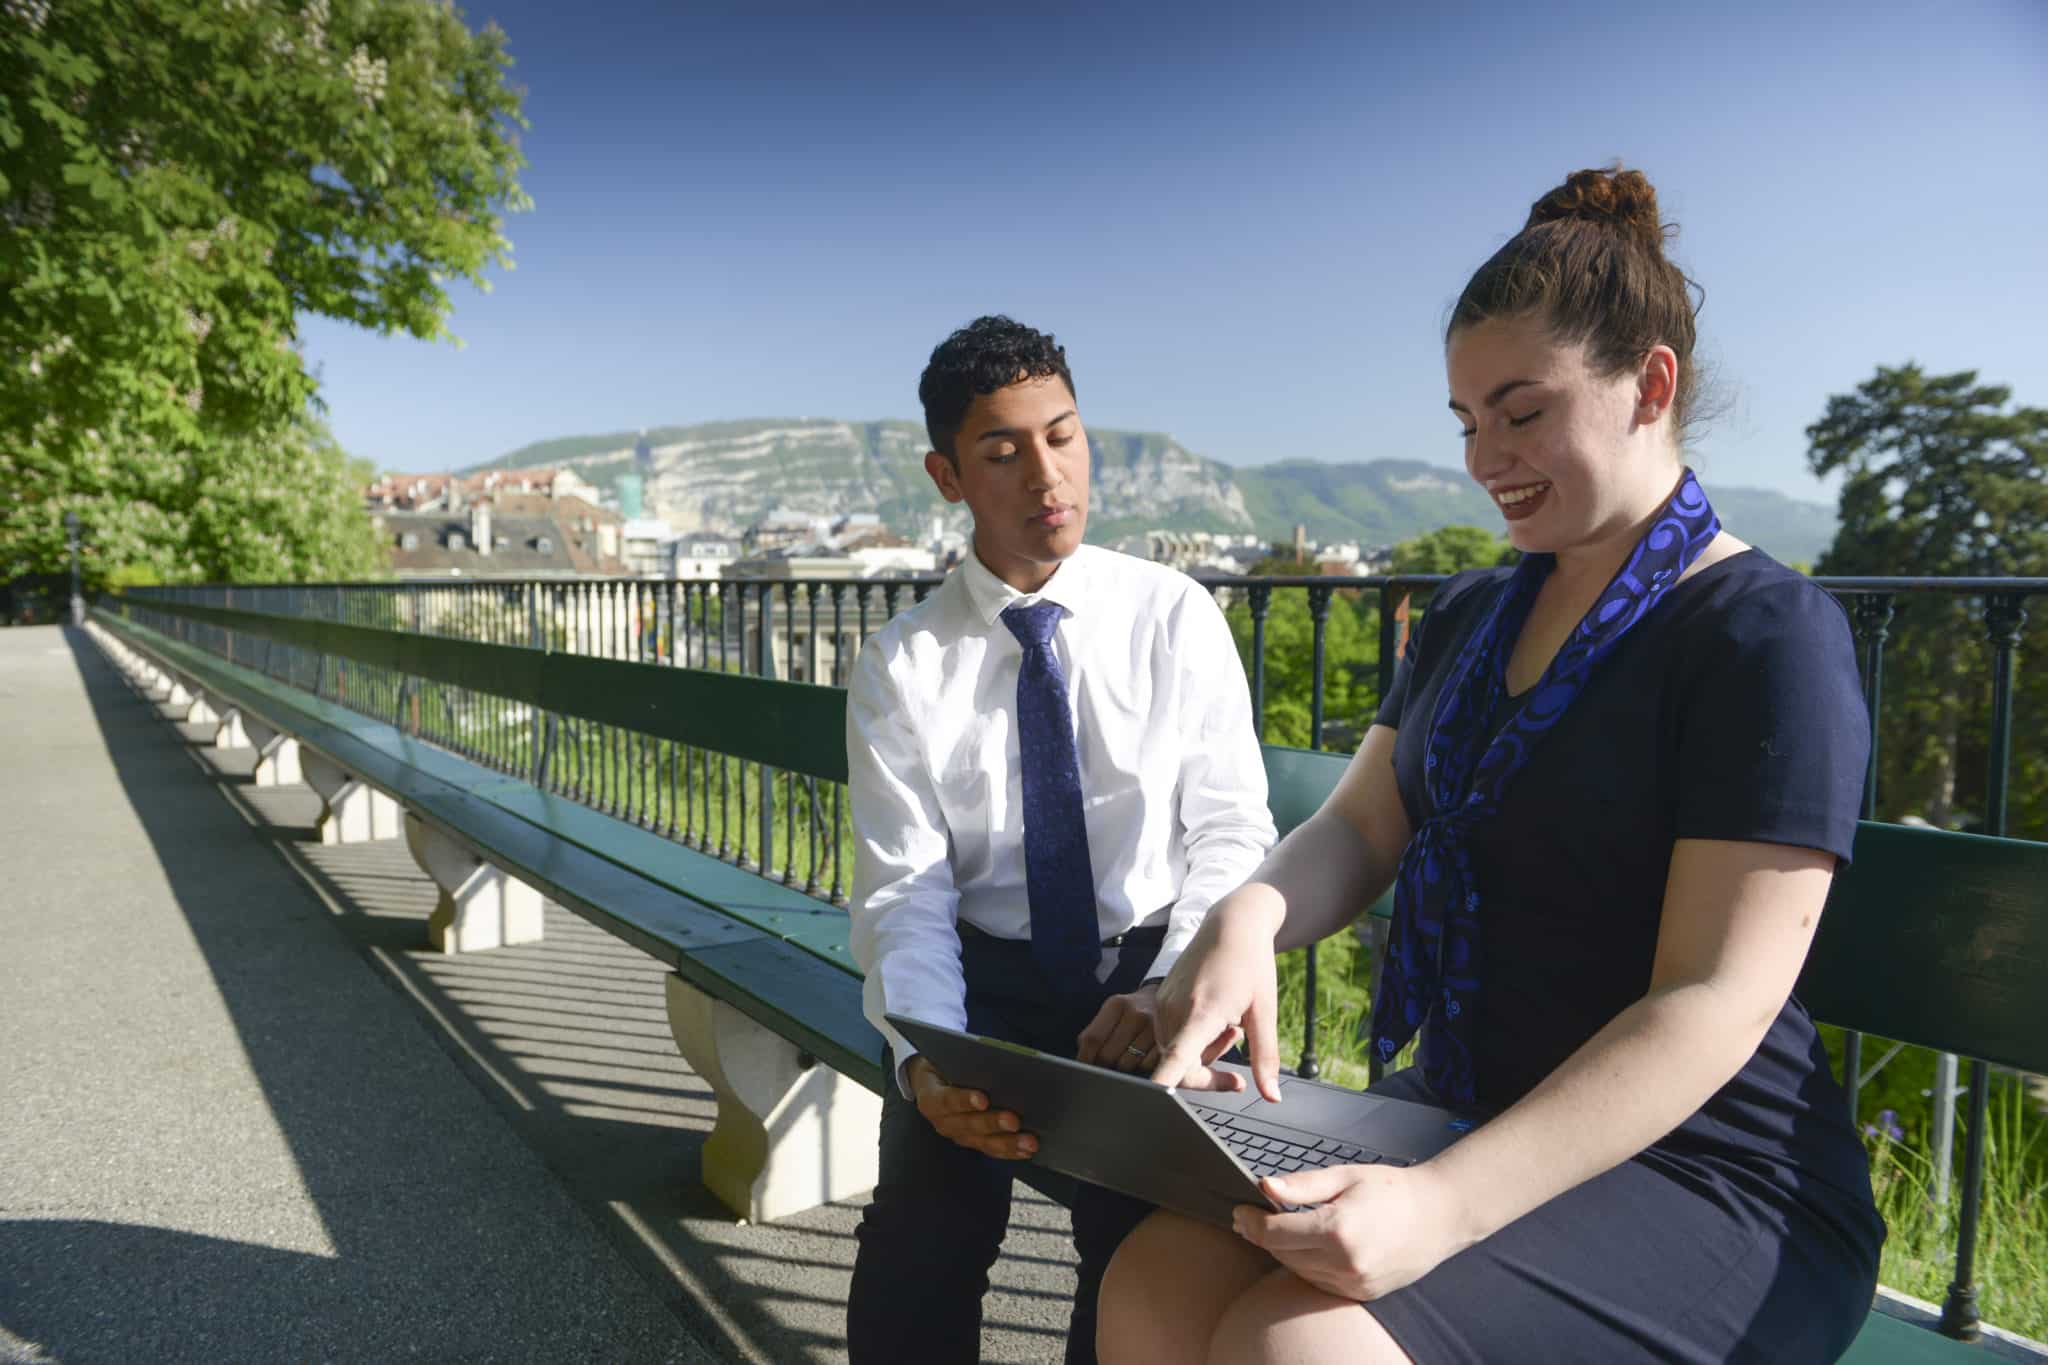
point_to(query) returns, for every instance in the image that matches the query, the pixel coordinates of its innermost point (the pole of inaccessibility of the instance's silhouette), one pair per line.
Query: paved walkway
(249, 1118)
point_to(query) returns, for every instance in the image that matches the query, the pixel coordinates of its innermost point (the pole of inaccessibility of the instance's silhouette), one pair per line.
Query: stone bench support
(792, 1133)
(352, 811)
(230, 733)
(277, 754)
(481, 906)
(129, 660)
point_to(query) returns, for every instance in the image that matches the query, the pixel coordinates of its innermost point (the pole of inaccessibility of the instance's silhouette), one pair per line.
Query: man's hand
(963, 1116)
(1121, 1036)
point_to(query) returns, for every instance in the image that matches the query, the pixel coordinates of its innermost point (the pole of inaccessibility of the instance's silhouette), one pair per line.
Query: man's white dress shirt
(1171, 777)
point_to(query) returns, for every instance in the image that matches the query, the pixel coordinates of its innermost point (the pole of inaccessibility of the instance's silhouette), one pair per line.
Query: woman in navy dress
(1611, 787)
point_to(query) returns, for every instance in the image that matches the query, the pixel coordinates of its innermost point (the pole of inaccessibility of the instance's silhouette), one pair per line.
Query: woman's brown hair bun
(1624, 199)
(1590, 263)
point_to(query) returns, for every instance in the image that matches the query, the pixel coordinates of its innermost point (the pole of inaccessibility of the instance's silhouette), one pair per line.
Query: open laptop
(1196, 1152)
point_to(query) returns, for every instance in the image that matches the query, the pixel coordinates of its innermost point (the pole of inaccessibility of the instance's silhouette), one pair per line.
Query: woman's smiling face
(1571, 458)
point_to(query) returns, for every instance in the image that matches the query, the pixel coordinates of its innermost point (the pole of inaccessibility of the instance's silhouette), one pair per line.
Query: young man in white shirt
(1053, 775)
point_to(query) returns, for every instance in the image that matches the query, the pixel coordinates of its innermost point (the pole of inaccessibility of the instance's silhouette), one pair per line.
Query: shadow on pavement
(380, 1211)
(567, 1037)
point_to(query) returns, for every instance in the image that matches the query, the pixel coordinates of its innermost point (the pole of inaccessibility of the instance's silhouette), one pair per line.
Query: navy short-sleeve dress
(1731, 711)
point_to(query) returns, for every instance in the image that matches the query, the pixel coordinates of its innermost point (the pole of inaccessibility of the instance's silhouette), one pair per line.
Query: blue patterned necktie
(1433, 947)
(1058, 880)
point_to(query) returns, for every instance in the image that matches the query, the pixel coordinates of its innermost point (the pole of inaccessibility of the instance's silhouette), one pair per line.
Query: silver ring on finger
(1135, 1051)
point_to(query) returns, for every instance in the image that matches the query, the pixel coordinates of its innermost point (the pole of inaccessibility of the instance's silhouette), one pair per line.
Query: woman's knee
(1284, 1320)
(1166, 1286)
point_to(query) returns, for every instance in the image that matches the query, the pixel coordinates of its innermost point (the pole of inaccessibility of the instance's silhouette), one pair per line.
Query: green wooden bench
(1931, 937)
(763, 999)
(763, 984)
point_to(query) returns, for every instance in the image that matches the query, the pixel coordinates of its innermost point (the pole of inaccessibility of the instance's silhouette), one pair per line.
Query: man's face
(1022, 470)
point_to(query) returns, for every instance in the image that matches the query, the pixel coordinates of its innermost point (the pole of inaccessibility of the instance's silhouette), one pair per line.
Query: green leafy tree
(179, 183)
(1452, 549)
(1941, 476)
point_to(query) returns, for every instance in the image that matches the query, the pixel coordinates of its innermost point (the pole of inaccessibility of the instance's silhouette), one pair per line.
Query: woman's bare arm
(1737, 920)
(1315, 882)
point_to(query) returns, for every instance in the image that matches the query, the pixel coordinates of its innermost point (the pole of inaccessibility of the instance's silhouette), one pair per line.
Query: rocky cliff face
(725, 476)
(1143, 481)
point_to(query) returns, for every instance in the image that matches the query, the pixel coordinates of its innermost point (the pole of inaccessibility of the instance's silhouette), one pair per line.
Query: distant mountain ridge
(724, 476)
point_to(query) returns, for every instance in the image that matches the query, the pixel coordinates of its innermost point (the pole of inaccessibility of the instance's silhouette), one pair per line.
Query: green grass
(1919, 1255)
(2012, 1242)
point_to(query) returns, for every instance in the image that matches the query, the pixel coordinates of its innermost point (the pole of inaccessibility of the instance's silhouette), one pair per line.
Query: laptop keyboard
(1269, 1149)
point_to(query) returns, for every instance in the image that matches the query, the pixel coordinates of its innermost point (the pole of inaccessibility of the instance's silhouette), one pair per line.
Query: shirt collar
(991, 596)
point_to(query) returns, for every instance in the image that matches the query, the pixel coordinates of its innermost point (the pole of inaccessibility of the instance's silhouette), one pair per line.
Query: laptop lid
(1130, 1134)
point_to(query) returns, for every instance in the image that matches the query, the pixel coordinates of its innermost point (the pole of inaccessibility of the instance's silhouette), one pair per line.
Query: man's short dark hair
(987, 354)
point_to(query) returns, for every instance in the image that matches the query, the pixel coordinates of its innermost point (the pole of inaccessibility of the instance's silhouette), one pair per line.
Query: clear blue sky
(1246, 223)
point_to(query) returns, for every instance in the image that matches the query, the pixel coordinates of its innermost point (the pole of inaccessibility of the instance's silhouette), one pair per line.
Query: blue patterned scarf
(1433, 950)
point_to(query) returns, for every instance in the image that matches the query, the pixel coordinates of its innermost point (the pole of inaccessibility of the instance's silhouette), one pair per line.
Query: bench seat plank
(780, 911)
(791, 992)
(1885, 1340)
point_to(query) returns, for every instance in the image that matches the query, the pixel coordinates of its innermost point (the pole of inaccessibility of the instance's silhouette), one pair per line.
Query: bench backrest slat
(1940, 939)
(1298, 781)
(797, 727)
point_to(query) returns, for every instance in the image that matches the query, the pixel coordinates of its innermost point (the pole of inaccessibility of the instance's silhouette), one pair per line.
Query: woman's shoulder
(1750, 596)
(1753, 627)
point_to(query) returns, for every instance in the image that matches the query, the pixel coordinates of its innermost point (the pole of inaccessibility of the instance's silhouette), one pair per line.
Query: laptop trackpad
(1392, 1127)
(1298, 1097)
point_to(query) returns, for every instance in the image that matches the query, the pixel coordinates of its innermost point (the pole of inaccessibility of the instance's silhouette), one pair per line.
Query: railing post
(1390, 649)
(839, 672)
(1394, 607)
(1873, 616)
(1260, 596)
(788, 779)
(765, 667)
(2004, 615)
(724, 767)
(543, 739)
(1319, 619)
(1319, 622)
(695, 836)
